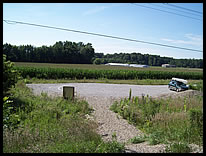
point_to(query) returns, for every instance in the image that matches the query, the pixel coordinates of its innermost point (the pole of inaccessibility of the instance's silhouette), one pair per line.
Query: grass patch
(178, 148)
(39, 124)
(137, 139)
(165, 120)
(110, 81)
(196, 85)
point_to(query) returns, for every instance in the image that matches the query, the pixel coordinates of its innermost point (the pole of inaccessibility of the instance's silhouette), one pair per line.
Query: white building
(168, 66)
(117, 64)
(139, 65)
(128, 65)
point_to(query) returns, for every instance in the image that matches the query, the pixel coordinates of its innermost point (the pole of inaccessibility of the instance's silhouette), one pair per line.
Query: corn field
(72, 73)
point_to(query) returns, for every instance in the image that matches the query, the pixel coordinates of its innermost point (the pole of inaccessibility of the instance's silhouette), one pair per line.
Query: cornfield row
(61, 73)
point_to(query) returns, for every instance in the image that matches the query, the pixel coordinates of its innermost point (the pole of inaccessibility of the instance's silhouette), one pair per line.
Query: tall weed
(52, 125)
(165, 120)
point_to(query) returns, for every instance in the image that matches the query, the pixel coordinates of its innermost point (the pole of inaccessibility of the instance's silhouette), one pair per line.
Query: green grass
(165, 120)
(111, 81)
(178, 148)
(39, 124)
(196, 85)
(34, 80)
(137, 139)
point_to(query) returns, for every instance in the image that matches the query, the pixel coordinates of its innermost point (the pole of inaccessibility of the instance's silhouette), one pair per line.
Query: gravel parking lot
(101, 90)
(101, 97)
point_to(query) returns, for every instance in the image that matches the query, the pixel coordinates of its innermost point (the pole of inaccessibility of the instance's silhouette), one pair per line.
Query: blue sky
(115, 19)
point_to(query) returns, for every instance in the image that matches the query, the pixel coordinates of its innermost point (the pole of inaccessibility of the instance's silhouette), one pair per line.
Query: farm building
(128, 65)
(168, 66)
(139, 65)
(117, 64)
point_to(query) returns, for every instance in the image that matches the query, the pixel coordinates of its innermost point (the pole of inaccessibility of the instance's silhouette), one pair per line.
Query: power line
(9, 22)
(102, 35)
(184, 8)
(176, 9)
(166, 11)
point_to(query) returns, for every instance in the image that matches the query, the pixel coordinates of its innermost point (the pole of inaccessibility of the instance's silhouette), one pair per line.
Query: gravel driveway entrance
(101, 97)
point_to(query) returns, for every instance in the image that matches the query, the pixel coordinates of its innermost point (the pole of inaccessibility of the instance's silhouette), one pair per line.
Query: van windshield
(180, 83)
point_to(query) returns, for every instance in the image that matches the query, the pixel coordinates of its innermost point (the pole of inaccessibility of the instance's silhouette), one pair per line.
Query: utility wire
(166, 11)
(194, 14)
(9, 22)
(102, 35)
(183, 8)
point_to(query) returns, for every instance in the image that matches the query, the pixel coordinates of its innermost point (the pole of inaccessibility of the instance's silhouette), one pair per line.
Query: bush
(10, 75)
(97, 61)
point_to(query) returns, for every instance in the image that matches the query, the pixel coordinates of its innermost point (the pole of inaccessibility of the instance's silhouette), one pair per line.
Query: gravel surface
(101, 97)
(101, 90)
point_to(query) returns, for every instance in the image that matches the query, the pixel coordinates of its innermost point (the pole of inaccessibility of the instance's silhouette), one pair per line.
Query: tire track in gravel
(110, 123)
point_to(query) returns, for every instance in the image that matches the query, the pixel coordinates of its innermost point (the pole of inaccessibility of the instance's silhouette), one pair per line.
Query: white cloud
(191, 39)
(95, 10)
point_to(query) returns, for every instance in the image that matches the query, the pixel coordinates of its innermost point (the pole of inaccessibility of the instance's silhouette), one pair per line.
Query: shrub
(97, 61)
(10, 75)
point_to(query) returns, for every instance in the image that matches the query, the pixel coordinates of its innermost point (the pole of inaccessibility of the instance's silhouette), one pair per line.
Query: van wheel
(178, 90)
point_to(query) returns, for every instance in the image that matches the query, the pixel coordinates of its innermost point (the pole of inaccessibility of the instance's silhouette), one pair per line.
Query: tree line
(80, 53)
(146, 59)
(60, 52)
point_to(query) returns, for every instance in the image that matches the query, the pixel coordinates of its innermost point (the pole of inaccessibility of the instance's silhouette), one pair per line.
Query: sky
(133, 21)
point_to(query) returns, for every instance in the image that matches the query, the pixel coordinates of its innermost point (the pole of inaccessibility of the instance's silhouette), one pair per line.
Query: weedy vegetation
(167, 120)
(39, 124)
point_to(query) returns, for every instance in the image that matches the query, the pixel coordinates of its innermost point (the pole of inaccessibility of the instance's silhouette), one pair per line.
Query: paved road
(101, 90)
